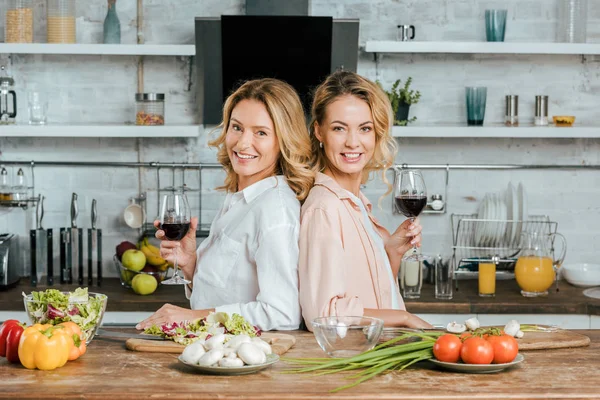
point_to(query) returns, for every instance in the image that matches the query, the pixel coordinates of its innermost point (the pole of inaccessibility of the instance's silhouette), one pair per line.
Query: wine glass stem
(176, 275)
(412, 221)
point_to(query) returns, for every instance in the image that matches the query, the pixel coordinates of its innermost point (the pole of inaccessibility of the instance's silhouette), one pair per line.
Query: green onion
(386, 357)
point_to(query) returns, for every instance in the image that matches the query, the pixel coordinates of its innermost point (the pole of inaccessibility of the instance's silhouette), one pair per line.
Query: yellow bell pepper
(44, 347)
(78, 348)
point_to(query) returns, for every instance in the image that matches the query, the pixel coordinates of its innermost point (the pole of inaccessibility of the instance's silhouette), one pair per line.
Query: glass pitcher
(535, 269)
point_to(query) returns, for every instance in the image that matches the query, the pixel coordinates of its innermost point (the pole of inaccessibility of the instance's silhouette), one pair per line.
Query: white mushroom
(230, 362)
(211, 357)
(228, 351)
(193, 353)
(236, 341)
(261, 344)
(454, 327)
(512, 328)
(251, 354)
(233, 354)
(520, 334)
(472, 323)
(215, 342)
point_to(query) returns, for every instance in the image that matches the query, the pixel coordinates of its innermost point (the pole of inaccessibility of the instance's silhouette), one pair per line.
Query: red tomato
(505, 348)
(476, 350)
(447, 348)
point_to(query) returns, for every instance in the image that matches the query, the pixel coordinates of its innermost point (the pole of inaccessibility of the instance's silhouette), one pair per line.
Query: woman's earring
(321, 144)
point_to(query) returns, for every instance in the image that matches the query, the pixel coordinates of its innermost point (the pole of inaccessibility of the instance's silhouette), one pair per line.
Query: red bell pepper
(10, 334)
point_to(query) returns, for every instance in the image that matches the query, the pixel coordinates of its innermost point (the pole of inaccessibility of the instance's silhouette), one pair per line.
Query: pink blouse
(341, 271)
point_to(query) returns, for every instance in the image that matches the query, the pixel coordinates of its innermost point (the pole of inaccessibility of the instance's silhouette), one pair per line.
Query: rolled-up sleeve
(277, 306)
(322, 274)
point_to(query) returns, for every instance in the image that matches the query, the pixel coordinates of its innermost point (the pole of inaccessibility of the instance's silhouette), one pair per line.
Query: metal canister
(511, 116)
(541, 110)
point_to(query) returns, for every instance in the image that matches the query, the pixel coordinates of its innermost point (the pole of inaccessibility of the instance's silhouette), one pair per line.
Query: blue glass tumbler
(476, 97)
(495, 25)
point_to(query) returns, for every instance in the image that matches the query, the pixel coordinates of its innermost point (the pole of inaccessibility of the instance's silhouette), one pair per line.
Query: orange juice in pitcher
(534, 270)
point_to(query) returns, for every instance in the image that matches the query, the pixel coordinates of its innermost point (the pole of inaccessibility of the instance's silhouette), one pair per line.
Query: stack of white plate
(503, 216)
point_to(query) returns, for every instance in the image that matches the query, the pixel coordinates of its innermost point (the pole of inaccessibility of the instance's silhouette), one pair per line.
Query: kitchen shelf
(100, 130)
(100, 49)
(392, 46)
(495, 131)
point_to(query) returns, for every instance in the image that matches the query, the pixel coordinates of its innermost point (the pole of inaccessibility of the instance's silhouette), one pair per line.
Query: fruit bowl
(87, 314)
(126, 275)
(563, 120)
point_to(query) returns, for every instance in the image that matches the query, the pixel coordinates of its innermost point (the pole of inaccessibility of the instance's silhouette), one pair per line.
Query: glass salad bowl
(347, 336)
(53, 307)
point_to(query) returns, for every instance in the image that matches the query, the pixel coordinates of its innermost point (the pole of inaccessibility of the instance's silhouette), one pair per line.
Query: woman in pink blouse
(348, 262)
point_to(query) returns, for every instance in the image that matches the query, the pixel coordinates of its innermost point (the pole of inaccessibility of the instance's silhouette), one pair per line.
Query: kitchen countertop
(108, 370)
(508, 300)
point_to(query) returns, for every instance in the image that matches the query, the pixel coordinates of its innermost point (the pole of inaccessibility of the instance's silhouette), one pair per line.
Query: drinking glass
(444, 274)
(38, 107)
(495, 25)
(410, 196)
(175, 218)
(487, 279)
(475, 97)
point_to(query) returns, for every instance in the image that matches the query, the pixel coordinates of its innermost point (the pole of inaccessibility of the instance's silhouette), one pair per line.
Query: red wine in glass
(411, 206)
(175, 231)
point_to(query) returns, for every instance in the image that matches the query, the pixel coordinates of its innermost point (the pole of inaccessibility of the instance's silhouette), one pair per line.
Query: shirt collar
(258, 188)
(328, 182)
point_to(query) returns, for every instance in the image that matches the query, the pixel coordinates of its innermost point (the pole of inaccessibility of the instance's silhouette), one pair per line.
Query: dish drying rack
(491, 240)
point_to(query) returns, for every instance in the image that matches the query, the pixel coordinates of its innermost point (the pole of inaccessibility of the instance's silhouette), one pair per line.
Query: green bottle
(112, 26)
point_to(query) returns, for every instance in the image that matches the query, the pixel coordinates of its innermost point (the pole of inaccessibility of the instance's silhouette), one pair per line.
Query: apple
(134, 260)
(144, 284)
(150, 268)
(123, 247)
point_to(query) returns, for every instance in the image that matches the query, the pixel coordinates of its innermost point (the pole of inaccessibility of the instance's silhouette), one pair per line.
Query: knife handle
(49, 250)
(74, 210)
(63, 256)
(80, 256)
(94, 214)
(90, 259)
(33, 272)
(99, 261)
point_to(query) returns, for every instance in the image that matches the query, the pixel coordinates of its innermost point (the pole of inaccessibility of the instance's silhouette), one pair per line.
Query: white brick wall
(95, 89)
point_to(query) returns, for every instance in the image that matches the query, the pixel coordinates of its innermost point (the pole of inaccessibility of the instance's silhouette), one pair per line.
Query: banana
(151, 247)
(151, 257)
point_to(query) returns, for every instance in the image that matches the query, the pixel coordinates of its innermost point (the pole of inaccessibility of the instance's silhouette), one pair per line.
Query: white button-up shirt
(248, 265)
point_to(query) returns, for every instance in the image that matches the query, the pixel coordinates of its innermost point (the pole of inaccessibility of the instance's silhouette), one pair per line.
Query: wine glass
(410, 196)
(175, 222)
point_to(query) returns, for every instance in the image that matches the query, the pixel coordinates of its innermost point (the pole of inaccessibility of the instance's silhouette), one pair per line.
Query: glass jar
(19, 189)
(61, 21)
(5, 185)
(149, 109)
(18, 22)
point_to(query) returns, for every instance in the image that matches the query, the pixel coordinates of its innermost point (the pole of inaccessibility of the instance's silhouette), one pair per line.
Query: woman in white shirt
(249, 263)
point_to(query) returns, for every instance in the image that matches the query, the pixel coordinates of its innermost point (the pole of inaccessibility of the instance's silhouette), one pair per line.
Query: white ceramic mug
(134, 215)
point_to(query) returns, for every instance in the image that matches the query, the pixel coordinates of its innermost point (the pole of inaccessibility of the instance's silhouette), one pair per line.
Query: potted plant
(401, 98)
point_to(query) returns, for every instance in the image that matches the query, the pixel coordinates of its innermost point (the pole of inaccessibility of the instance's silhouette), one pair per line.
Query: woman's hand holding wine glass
(175, 218)
(410, 196)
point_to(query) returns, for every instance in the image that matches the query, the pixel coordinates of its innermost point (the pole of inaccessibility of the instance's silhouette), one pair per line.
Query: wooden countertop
(508, 300)
(109, 371)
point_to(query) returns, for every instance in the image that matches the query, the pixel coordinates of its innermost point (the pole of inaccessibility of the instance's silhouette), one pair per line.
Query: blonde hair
(346, 83)
(285, 109)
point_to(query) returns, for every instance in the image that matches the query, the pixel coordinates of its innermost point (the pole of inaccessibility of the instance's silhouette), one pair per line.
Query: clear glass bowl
(37, 312)
(126, 275)
(347, 336)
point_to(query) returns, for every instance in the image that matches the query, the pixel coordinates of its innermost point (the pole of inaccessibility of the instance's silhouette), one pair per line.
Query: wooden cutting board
(559, 339)
(280, 343)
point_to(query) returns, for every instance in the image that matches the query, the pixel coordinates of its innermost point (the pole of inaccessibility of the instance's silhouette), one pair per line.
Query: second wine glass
(410, 196)
(175, 219)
